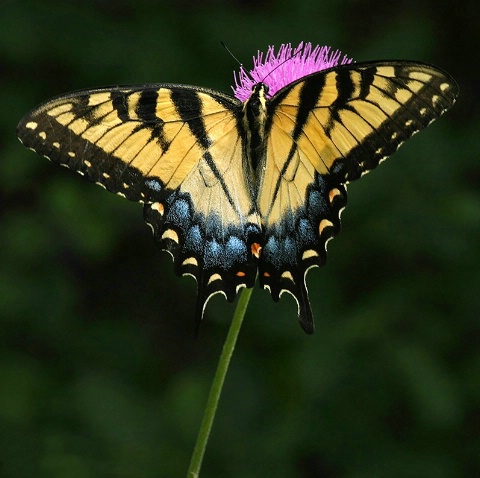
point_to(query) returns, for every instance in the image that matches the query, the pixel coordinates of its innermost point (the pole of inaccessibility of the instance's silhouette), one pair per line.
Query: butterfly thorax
(254, 119)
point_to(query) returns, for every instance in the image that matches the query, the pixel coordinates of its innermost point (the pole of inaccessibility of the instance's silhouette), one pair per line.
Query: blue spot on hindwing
(280, 251)
(179, 214)
(272, 252)
(217, 254)
(251, 229)
(213, 254)
(337, 168)
(235, 251)
(194, 240)
(213, 225)
(316, 204)
(290, 250)
(306, 234)
(153, 184)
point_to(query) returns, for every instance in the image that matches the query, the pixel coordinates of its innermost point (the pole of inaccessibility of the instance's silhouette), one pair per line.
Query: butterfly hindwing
(175, 148)
(209, 223)
(324, 131)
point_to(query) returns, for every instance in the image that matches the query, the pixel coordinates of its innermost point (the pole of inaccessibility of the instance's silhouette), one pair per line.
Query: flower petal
(277, 70)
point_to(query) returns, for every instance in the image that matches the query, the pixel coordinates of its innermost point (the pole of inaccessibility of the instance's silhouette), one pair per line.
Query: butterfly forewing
(126, 139)
(325, 130)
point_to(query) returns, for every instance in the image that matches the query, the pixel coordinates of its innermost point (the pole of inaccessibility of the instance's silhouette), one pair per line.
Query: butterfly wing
(177, 149)
(325, 130)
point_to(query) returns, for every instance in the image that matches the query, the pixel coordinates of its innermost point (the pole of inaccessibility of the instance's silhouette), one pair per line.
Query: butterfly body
(254, 119)
(233, 189)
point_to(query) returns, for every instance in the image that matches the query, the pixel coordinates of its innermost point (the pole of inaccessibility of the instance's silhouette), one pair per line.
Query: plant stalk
(217, 384)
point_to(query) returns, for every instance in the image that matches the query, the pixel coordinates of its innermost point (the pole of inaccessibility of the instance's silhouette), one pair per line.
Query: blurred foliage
(100, 375)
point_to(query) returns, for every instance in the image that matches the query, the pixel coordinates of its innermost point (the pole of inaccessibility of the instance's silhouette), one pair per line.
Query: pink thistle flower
(288, 65)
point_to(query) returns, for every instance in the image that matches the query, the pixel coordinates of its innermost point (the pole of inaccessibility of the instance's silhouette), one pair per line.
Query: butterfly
(236, 189)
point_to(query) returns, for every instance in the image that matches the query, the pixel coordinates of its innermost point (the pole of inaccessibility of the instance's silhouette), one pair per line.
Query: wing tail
(305, 315)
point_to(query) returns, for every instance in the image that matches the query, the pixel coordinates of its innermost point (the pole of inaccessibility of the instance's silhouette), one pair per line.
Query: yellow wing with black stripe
(178, 150)
(323, 131)
(233, 188)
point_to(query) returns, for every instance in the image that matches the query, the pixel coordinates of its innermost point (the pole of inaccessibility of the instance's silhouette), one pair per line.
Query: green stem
(217, 385)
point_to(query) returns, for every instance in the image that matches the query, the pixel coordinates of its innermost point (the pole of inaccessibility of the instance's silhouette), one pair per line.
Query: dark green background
(100, 375)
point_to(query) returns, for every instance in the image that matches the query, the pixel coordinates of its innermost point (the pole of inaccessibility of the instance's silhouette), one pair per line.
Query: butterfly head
(260, 89)
(259, 96)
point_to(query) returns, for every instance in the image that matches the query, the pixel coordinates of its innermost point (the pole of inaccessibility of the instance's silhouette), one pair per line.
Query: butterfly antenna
(240, 64)
(231, 54)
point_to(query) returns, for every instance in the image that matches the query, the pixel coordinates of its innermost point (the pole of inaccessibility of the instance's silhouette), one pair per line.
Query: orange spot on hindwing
(256, 249)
